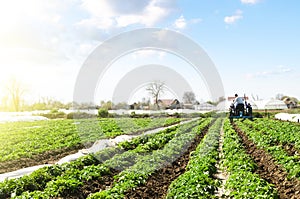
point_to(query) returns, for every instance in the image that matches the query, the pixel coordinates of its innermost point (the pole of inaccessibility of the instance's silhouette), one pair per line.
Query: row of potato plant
(146, 165)
(93, 129)
(198, 180)
(263, 140)
(75, 172)
(25, 139)
(279, 131)
(242, 181)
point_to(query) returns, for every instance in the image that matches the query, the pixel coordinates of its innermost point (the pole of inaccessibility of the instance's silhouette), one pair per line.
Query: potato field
(207, 157)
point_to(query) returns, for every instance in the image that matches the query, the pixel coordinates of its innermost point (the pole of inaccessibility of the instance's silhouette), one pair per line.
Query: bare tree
(15, 93)
(189, 97)
(279, 96)
(156, 89)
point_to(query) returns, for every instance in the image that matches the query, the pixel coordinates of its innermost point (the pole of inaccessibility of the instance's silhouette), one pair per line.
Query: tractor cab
(240, 111)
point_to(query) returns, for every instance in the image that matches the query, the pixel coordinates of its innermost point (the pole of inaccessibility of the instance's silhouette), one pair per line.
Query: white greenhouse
(257, 104)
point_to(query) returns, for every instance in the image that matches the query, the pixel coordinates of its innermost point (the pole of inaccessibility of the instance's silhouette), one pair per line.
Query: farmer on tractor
(238, 104)
(239, 108)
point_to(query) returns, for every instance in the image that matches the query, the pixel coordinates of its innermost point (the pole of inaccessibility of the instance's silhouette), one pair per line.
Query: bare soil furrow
(158, 183)
(269, 170)
(48, 157)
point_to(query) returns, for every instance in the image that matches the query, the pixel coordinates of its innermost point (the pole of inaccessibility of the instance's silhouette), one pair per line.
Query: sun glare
(13, 15)
(13, 11)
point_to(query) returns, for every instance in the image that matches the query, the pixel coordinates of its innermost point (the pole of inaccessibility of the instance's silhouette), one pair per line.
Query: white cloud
(153, 13)
(279, 70)
(142, 12)
(97, 8)
(182, 23)
(96, 23)
(234, 18)
(250, 1)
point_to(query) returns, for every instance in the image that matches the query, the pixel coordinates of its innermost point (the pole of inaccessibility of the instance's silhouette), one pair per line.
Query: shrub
(80, 115)
(257, 115)
(102, 112)
(53, 114)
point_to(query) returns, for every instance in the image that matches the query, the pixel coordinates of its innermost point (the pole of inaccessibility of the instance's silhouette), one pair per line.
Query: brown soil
(48, 157)
(269, 170)
(291, 149)
(158, 183)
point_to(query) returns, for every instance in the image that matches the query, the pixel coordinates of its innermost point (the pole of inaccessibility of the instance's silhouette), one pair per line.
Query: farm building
(169, 103)
(270, 104)
(275, 104)
(290, 102)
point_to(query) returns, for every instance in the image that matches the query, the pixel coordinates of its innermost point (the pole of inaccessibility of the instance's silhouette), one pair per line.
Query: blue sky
(254, 44)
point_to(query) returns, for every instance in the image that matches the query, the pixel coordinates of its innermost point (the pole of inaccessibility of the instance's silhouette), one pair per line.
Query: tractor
(241, 111)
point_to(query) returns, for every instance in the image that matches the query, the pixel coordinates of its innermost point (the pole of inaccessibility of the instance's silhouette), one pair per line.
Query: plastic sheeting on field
(20, 118)
(20, 172)
(288, 117)
(97, 146)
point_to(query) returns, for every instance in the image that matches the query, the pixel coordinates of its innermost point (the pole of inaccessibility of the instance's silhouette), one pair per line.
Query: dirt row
(158, 183)
(269, 170)
(291, 149)
(48, 157)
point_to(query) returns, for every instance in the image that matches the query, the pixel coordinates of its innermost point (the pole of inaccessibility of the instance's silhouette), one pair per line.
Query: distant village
(258, 104)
